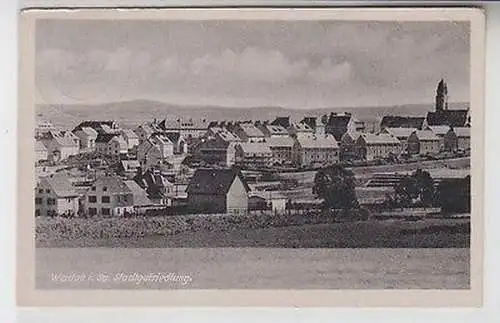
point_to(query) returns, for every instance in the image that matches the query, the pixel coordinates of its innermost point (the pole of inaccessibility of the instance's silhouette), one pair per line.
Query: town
(180, 166)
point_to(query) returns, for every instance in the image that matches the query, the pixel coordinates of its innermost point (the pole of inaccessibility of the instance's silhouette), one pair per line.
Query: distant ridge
(129, 113)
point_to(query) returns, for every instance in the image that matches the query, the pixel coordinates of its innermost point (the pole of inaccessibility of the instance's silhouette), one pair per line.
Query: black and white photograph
(253, 154)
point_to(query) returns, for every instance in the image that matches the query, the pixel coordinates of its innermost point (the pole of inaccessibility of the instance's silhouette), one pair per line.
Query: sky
(301, 64)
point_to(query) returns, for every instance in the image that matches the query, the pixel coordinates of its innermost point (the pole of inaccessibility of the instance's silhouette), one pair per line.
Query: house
(375, 146)
(128, 168)
(213, 151)
(423, 142)
(281, 148)
(41, 152)
(457, 138)
(315, 150)
(188, 128)
(180, 144)
(452, 118)
(300, 129)
(55, 195)
(441, 132)
(218, 191)
(61, 144)
(130, 137)
(42, 128)
(272, 131)
(318, 126)
(401, 133)
(253, 154)
(140, 199)
(248, 132)
(156, 150)
(282, 122)
(340, 123)
(347, 145)
(100, 126)
(413, 122)
(145, 130)
(157, 187)
(112, 145)
(87, 137)
(109, 196)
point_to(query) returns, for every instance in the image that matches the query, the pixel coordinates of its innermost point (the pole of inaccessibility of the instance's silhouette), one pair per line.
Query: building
(128, 168)
(42, 128)
(412, 122)
(156, 150)
(188, 128)
(41, 152)
(179, 142)
(111, 145)
(253, 154)
(109, 196)
(214, 151)
(157, 187)
(423, 142)
(248, 132)
(87, 138)
(300, 129)
(340, 123)
(145, 130)
(371, 146)
(130, 137)
(457, 138)
(315, 150)
(140, 199)
(441, 132)
(100, 126)
(347, 146)
(55, 195)
(281, 148)
(60, 144)
(318, 126)
(282, 122)
(218, 191)
(442, 116)
(272, 131)
(401, 133)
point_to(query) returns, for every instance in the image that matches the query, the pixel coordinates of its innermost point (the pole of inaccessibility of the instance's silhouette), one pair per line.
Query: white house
(157, 149)
(401, 133)
(347, 145)
(253, 154)
(87, 137)
(130, 137)
(315, 150)
(109, 196)
(373, 146)
(61, 144)
(55, 195)
(423, 142)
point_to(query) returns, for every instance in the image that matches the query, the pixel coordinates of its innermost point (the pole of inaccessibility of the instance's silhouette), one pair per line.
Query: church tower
(441, 96)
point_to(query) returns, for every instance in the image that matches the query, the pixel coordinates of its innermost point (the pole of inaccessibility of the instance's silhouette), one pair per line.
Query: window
(125, 198)
(40, 191)
(37, 212)
(105, 188)
(51, 201)
(93, 188)
(105, 199)
(92, 199)
(105, 211)
(92, 211)
(47, 191)
(38, 200)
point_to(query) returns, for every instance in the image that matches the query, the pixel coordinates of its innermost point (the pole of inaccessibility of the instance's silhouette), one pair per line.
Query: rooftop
(214, 181)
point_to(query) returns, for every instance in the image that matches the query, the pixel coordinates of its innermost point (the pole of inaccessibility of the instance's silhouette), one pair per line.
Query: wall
(198, 203)
(237, 197)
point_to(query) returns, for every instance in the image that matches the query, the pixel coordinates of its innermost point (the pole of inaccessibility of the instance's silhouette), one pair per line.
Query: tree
(418, 187)
(335, 185)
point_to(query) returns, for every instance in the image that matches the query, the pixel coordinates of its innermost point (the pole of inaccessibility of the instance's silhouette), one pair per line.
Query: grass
(263, 231)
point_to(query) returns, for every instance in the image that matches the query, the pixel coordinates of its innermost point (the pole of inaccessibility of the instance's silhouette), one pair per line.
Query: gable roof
(129, 133)
(184, 124)
(313, 141)
(372, 139)
(60, 185)
(251, 130)
(310, 121)
(402, 122)
(140, 197)
(276, 130)
(114, 184)
(39, 146)
(227, 136)
(426, 135)
(88, 131)
(400, 133)
(454, 118)
(95, 124)
(105, 137)
(281, 121)
(462, 131)
(353, 134)
(279, 142)
(214, 181)
(440, 130)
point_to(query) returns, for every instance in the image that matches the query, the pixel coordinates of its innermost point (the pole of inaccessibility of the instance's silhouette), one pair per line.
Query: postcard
(251, 157)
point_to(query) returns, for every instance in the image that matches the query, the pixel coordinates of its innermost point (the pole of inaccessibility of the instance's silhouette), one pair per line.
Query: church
(443, 116)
